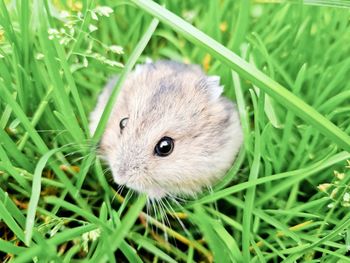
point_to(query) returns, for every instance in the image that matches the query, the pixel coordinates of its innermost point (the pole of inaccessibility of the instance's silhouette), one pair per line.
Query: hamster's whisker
(148, 206)
(129, 195)
(174, 214)
(178, 199)
(106, 170)
(114, 197)
(78, 151)
(162, 217)
(164, 211)
(210, 189)
(148, 180)
(155, 212)
(110, 180)
(120, 189)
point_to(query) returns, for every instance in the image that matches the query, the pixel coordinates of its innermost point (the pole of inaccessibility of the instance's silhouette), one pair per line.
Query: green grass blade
(253, 175)
(10, 221)
(301, 173)
(35, 194)
(146, 244)
(8, 247)
(126, 224)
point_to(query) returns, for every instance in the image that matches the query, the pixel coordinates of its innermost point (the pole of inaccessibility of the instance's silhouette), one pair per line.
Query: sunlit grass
(286, 65)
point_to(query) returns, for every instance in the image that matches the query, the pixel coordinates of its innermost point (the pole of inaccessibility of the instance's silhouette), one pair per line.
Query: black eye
(123, 123)
(164, 147)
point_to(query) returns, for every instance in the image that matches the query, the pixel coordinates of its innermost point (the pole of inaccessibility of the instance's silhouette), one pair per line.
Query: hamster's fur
(167, 98)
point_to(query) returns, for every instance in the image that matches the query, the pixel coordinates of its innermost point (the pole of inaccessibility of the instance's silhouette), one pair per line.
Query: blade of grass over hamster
(248, 71)
(128, 67)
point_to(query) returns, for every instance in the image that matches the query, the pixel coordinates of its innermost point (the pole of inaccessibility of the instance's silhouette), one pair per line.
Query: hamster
(170, 133)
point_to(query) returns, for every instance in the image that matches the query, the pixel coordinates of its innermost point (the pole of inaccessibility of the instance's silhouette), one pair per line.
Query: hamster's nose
(126, 172)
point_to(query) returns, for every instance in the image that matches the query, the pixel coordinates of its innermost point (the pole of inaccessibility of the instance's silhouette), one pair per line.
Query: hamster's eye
(123, 123)
(164, 147)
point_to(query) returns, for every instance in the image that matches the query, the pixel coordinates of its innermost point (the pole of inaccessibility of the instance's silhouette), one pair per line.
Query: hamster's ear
(148, 60)
(214, 88)
(140, 67)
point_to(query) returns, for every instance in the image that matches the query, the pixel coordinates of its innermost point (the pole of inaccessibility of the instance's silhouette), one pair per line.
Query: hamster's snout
(123, 167)
(128, 164)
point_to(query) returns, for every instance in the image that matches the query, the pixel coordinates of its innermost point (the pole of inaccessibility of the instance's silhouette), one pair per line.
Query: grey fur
(167, 98)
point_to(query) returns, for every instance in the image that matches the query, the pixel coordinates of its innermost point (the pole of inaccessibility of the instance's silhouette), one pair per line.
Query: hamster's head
(171, 132)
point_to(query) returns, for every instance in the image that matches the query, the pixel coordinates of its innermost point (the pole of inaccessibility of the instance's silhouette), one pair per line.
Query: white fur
(167, 98)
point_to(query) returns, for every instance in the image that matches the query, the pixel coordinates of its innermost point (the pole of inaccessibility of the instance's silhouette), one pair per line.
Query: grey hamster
(170, 133)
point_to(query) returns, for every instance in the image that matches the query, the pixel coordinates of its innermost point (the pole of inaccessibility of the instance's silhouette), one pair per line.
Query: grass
(285, 199)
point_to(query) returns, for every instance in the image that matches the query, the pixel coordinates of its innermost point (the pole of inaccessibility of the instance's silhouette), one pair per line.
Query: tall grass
(285, 199)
